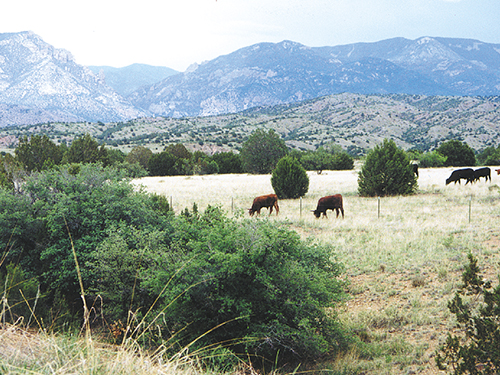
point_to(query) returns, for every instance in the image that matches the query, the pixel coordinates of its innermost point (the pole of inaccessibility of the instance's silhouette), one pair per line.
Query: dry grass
(403, 262)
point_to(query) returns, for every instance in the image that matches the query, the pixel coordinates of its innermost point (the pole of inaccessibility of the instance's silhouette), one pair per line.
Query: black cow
(270, 200)
(331, 202)
(482, 172)
(457, 175)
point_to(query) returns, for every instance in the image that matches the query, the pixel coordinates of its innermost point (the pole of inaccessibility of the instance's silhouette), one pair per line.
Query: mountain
(38, 78)
(276, 73)
(128, 79)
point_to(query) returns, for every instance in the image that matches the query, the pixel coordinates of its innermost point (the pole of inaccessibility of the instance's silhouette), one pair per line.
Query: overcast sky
(181, 32)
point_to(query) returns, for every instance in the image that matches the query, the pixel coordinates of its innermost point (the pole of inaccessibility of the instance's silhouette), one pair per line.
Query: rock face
(286, 72)
(36, 77)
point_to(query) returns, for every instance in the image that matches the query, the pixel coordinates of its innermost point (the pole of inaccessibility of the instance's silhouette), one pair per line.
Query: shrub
(58, 210)
(387, 171)
(476, 349)
(270, 294)
(432, 159)
(289, 179)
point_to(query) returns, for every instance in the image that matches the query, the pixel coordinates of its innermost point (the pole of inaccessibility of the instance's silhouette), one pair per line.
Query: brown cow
(498, 171)
(269, 201)
(331, 202)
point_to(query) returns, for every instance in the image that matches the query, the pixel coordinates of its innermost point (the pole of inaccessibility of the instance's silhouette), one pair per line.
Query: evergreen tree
(289, 179)
(37, 153)
(387, 171)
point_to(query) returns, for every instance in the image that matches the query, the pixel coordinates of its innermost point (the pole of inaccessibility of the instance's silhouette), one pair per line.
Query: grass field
(403, 255)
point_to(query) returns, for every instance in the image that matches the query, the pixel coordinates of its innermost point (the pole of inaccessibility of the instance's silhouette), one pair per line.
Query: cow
(482, 172)
(497, 170)
(458, 174)
(331, 202)
(268, 201)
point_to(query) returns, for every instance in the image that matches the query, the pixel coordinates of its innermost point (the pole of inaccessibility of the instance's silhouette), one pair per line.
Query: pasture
(403, 256)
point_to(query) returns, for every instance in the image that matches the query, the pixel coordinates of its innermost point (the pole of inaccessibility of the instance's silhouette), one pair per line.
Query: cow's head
(316, 213)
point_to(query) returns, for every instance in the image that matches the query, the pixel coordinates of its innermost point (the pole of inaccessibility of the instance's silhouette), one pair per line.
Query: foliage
(387, 171)
(162, 164)
(86, 149)
(289, 179)
(268, 293)
(58, 209)
(489, 156)
(432, 159)
(179, 151)
(9, 168)
(132, 170)
(261, 152)
(115, 156)
(37, 153)
(140, 155)
(476, 350)
(17, 292)
(457, 154)
(228, 162)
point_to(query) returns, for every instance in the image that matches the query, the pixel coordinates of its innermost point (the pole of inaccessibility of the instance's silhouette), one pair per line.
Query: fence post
(378, 207)
(232, 205)
(301, 207)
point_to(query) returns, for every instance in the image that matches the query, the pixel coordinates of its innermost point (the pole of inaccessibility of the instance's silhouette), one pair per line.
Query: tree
(228, 162)
(37, 153)
(162, 164)
(387, 171)
(86, 149)
(289, 179)
(476, 349)
(139, 154)
(489, 156)
(457, 154)
(260, 153)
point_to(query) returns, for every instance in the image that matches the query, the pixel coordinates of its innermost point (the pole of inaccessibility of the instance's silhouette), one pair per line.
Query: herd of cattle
(470, 175)
(331, 202)
(334, 202)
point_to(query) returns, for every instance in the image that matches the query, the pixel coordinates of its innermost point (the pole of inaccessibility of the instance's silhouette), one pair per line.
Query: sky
(178, 33)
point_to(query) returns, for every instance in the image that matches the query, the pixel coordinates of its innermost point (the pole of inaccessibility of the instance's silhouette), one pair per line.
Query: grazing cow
(415, 169)
(457, 175)
(269, 201)
(482, 172)
(498, 171)
(332, 202)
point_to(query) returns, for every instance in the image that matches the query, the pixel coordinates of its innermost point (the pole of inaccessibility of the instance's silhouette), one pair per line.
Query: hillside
(356, 122)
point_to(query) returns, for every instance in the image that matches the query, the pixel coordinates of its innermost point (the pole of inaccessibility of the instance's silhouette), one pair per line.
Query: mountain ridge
(286, 72)
(39, 83)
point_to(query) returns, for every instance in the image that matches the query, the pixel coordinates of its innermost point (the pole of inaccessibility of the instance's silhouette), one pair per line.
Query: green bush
(476, 349)
(58, 210)
(289, 179)
(457, 154)
(387, 171)
(270, 294)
